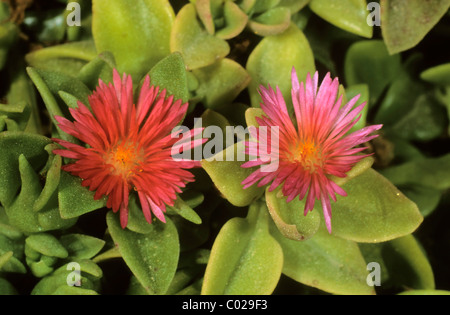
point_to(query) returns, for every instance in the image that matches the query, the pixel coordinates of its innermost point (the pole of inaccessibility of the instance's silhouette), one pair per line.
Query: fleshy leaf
(74, 199)
(438, 75)
(196, 45)
(265, 66)
(403, 263)
(152, 257)
(404, 23)
(235, 21)
(47, 245)
(368, 62)
(170, 74)
(230, 186)
(373, 211)
(425, 120)
(136, 32)
(81, 246)
(271, 22)
(325, 262)
(349, 15)
(221, 82)
(101, 67)
(289, 217)
(245, 258)
(12, 145)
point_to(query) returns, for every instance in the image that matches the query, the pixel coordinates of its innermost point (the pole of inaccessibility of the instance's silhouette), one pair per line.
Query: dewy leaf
(221, 82)
(374, 210)
(170, 74)
(101, 67)
(289, 217)
(196, 45)
(438, 75)
(74, 199)
(349, 15)
(12, 145)
(293, 5)
(220, 168)
(266, 67)
(47, 245)
(245, 258)
(325, 262)
(403, 263)
(181, 208)
(152, 257)
(136, 32)
(404, 23)
(81, 246)
(368, 62)
(363, 91)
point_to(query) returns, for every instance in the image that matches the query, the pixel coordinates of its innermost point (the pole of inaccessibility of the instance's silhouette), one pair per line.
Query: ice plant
(313, 146)
(128, 146)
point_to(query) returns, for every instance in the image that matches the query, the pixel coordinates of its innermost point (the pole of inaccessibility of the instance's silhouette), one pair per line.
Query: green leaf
(426, 120)
(6, 288)
(136, 32)
(196, 45)
(66, 58)
(101, 67)
(325, 262)
(289, 217)
(400, 97)
(152, 257)
(403, 263)
(74, 199)
(406, 22)
(235, 21)
(293, 5)
(430, 172)
(19, 114)
(185, 211)
(221, 82)
(245, 258)
(368, 62)
(81, 246)
(220, 168)
(51, 184)
(12, 145)
(266, 67)
(271, 22)
(374, 210)
(47, 245)
(170, 74)
(438, 75)
(349, 15)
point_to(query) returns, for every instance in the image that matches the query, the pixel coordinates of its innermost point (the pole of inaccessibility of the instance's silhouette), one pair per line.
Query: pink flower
(313, 146)
(128, 146)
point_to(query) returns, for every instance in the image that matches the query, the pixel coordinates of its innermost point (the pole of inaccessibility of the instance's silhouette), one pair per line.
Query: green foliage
(218, 237)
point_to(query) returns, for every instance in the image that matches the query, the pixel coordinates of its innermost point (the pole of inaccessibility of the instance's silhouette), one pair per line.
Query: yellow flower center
(307, 153)
(125, 159)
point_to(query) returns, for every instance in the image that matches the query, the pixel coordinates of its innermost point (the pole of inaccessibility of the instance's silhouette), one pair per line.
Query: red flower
(312, 147)
(128, 146)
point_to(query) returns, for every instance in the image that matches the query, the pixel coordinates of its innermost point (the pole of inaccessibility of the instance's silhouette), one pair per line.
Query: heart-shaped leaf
(196, 45)
(373, 211)
(245, 258)
(266, 67)
(349, 15)
(325, 262)
(136, 32)
(152, 257)
(404, 23)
